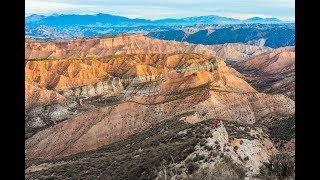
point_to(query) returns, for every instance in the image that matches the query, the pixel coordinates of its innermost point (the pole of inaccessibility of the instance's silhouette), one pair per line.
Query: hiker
(216, 122)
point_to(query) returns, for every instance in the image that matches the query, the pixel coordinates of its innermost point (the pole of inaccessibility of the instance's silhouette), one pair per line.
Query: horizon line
(83, 14)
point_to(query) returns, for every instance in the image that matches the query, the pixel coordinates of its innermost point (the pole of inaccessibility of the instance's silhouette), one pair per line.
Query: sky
(159, 9)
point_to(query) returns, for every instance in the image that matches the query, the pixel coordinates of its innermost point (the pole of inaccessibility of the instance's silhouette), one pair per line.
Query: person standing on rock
(216, 122)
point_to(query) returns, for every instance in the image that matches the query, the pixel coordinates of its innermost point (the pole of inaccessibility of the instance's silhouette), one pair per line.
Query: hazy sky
(157, 9)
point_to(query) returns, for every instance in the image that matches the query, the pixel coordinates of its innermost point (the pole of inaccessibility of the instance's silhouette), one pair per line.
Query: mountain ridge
(209, 19)
(206, 29)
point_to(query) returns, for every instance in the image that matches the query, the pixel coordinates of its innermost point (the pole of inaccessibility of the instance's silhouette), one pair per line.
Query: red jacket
(215, 122)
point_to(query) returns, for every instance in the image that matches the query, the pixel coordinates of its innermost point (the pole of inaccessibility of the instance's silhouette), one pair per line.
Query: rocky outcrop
(271, 72)
(110, 75)
(37, 96)
(55, 75)
(43, 116)
(250, 152)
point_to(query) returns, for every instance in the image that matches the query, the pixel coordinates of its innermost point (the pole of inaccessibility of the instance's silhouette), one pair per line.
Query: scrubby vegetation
(144, 155)
(141, 156)
(192, 166)
(183, 93)
(234, 130)
(280, 166)
(108, 101)
(282, 129)
(226, 169)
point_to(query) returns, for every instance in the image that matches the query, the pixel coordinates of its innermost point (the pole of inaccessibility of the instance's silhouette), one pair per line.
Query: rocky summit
(133, 107)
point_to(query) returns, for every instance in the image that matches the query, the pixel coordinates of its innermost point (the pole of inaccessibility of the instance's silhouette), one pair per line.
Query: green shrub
(209, 135)
(192, 167)
(218, 146)
(198, 157)
(214, 153)
(246, 158)
(241, 142)
(235, 148)
(208, 148)
(203, 142)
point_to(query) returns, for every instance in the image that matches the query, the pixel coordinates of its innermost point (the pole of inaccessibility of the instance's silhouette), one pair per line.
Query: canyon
(90, 94)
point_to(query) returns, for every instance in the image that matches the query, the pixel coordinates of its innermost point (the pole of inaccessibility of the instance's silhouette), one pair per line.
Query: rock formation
(84, 94)
(272, 72)
(132, 44)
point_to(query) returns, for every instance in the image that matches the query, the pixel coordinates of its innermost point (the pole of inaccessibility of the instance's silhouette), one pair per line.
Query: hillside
(272, 72)
(172, 148)
(100, 95)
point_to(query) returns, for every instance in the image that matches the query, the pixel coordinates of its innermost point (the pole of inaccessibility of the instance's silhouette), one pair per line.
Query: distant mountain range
(207, 30)
(271, 35)
(82, 20)
(107, 20)
(263, 20)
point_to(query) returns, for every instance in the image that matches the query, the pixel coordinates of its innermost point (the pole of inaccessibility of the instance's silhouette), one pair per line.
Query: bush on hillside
(280, 166)
(191, 167)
